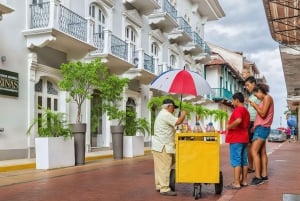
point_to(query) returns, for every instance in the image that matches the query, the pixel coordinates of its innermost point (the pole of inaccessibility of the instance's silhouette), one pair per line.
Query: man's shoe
(169, 193)
(265, 178)
(256, 181)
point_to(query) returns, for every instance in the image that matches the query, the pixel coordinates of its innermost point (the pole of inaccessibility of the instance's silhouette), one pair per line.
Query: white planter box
(54, 152)
(133, 146)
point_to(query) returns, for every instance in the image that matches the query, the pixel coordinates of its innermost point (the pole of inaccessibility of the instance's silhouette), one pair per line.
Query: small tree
(111, 93)
(79, 79)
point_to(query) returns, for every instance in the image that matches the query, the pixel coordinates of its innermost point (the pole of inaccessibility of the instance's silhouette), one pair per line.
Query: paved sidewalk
(137, 177)
(21, 164)
(284, 178)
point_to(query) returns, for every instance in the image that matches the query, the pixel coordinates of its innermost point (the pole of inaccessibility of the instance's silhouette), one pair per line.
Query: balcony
(221, 94)
(144, 70)
(183, 34)
(55, 26)
(196, 46)
(144, 7)
(164, 18)
(114, 52)
(5, 9)
(204, 56)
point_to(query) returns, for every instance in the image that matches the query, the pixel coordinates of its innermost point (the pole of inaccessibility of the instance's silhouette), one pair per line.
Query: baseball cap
(171, 102)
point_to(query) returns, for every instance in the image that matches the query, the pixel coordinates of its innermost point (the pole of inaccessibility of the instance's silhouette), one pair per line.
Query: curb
(32, 165)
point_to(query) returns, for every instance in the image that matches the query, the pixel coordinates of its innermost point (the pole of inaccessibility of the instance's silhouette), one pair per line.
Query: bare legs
(259, 157)
(250, 158)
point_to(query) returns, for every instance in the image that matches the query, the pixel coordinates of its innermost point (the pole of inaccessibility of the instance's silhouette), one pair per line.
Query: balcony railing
(149, 63)
(167, 7)
(184, 25)
(67, 21)
(220, 94)
(119, 47)
(206, 48)
(98, 39)
(197, 39)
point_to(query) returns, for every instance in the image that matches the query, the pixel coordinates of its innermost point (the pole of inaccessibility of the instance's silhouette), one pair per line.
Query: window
(130, 34)
(154, 49)
(99, 18)
(172, 60)
(46, 94)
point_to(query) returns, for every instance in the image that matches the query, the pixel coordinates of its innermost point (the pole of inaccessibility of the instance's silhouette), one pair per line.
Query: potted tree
(80, 79)
(111, 93)
(54, 144)
(135, 129)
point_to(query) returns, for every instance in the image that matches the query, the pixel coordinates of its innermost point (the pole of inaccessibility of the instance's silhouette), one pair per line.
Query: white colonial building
(137, 39)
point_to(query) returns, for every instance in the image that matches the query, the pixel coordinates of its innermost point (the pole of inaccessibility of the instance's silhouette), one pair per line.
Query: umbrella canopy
(181, 81)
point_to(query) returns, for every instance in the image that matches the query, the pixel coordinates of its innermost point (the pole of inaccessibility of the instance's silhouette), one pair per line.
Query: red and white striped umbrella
(181, 81)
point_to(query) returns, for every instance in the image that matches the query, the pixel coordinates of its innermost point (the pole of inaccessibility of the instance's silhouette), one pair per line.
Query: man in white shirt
(163, 145)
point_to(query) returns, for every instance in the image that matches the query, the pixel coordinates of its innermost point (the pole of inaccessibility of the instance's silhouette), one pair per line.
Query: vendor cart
(198, 160)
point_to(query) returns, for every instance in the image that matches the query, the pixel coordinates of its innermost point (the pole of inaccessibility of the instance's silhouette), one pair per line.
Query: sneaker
(169, 193)
(256, 181)
(266, 178)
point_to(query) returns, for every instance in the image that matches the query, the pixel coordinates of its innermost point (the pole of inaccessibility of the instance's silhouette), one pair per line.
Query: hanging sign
(9, 83)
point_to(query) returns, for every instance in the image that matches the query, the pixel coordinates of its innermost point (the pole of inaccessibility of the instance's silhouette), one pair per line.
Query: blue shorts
(238, 154)
(261, 133)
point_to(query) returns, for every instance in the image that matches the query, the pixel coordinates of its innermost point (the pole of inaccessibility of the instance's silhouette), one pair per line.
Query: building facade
(136, 39)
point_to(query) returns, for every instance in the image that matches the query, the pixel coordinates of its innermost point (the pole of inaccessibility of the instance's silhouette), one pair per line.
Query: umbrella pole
(179, 114)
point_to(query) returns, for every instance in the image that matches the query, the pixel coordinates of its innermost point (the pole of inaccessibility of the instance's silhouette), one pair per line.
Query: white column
(31, 66)
(88, 125)
(107, 41)
(54, 13)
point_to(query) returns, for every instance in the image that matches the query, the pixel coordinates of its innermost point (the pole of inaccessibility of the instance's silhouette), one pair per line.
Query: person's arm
(181, 118)
(234, 124)
(264, 110)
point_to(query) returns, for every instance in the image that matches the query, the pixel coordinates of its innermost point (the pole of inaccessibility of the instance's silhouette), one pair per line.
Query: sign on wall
(9, 83)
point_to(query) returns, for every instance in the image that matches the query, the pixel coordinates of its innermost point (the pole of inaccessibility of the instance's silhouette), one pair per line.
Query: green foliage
(201, 111)
(51, 124)
(219, 115)
(79, 79)
(111, 94)
(134, 124)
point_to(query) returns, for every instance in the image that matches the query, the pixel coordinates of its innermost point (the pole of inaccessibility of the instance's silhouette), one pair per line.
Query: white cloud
(244, 28)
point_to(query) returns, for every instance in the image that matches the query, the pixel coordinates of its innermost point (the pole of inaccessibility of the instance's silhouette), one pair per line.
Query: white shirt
(164, 132)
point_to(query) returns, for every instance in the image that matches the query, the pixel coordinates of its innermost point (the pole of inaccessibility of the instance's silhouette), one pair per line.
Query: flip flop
(244, 185)
(232, 187)
(250, 170)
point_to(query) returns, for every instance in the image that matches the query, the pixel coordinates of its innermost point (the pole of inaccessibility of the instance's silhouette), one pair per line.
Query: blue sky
(244, 28)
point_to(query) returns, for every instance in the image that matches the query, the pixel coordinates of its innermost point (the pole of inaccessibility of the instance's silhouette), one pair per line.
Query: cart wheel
(172, 180)
(197, 191)
(219, 186)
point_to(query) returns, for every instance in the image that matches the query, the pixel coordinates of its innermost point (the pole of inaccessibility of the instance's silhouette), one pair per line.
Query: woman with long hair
(262, 127)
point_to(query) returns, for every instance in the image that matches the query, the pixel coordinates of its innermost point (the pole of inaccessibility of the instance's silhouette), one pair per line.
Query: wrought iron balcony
(115, 52)
(220, 94)
(149, 63)
(183, 34)
(197, 46)
(54, 25)
(164, 18)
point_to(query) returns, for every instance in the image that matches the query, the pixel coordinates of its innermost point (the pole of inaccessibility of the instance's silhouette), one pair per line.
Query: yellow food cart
(198, 160)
